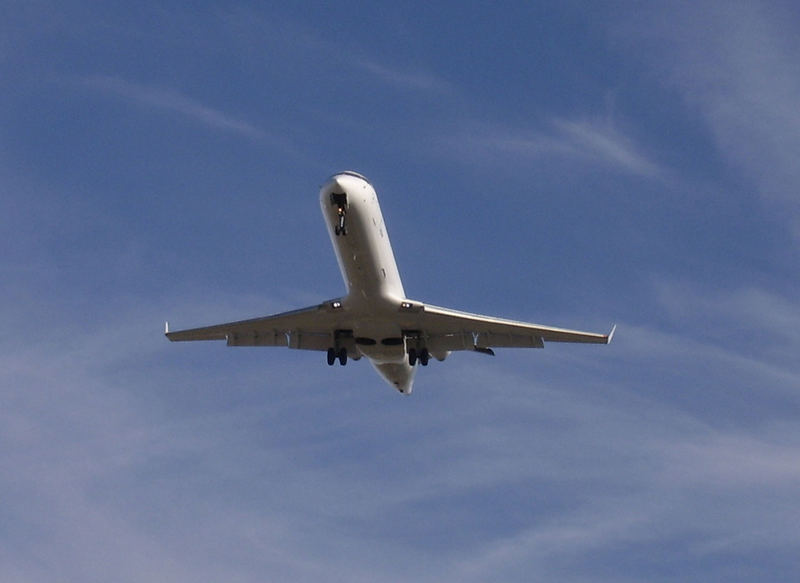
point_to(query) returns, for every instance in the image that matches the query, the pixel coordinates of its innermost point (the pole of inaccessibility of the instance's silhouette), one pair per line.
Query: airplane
(375, 319)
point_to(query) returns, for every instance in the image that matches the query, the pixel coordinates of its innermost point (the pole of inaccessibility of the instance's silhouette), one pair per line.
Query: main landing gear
(340, 200)
(422, 356)
(333, 354)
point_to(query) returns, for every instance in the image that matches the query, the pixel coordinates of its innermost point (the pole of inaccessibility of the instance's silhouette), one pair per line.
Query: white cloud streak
(263, 34)
(404, 79)
(747, 320)
(598, 143)
(168, 100)
(304, 481)
(737, 64)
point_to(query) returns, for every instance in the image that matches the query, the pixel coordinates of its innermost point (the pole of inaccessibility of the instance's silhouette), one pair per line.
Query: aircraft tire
(331, 356)
(424, 356)
(343, 356)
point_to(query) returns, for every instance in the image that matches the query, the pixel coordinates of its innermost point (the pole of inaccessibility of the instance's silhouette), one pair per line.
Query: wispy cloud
(737, 64)
(402, 78)
(168, 100)
(101, 467)
(652, 469)
(747, 320)
(603, 142)
(595, 142)
(735, 461)
(261, 34)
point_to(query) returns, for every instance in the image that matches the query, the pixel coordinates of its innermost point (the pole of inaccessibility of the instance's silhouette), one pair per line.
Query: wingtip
(610, 336)
(166, 328)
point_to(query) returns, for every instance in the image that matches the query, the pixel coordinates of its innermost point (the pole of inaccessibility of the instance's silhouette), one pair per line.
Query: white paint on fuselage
(374, 290)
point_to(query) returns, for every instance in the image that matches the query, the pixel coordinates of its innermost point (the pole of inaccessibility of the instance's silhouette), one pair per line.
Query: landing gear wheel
(412, 356)
(340, 228)
(331, 356)
(424, 355)
(343, 356)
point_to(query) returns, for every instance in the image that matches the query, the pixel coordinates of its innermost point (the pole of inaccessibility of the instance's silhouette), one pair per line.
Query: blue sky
(574, 164)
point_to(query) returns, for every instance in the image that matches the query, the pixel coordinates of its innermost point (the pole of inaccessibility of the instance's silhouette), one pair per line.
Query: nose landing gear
(340, 200)
(340, 229)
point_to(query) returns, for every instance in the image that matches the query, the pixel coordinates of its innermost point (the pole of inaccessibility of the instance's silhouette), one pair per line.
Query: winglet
(611, 334)
(166, 328)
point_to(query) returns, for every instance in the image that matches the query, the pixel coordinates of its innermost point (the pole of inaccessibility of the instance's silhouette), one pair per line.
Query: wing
(446, 329)
(312, 328)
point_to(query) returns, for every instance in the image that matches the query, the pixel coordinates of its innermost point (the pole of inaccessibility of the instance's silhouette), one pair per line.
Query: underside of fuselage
(374, 290)
(392, 350)
(398, 374)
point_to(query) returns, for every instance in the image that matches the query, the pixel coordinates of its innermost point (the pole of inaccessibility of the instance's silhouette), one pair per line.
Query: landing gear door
(339, 199)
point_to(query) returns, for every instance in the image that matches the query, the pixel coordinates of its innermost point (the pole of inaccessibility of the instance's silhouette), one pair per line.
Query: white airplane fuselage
(369, 270)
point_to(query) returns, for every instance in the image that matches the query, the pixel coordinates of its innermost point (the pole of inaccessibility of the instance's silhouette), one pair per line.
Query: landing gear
(340, 229)
(340, 200)
(333, 354)
(422, 356)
